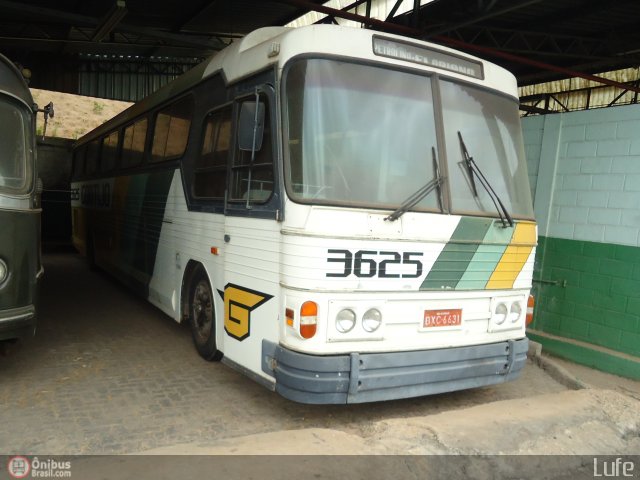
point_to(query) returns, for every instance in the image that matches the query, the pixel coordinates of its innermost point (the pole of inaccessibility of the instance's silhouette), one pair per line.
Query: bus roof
(12, 82)
(276, 45)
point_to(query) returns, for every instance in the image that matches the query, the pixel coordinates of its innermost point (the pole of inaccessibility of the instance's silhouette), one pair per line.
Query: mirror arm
(48, 112)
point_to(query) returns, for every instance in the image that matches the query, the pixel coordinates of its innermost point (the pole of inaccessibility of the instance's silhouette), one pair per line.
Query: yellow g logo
(239, 302)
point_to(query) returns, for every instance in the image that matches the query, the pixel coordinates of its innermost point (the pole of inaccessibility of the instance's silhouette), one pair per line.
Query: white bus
(343, 215)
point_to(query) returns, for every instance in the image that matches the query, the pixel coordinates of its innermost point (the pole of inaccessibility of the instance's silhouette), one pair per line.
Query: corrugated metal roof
(582, 35)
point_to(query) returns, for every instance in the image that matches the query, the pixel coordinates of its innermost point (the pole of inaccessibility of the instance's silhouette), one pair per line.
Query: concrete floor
(108, 373)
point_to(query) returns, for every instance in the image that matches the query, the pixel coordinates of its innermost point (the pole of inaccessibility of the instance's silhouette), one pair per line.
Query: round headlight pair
(346, 320)
(502, 313)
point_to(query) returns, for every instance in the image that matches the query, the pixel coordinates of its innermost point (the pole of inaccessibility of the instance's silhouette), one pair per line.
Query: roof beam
(554, 18)
(414, 32)
(349, 7)
(334, 12)
(82, 20)
(481, 18)
(192, 15)
(83, 46)
(113, 17)
(538, 43)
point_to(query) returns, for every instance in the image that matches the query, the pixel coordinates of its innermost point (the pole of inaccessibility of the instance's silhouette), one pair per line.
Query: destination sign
(426, 56)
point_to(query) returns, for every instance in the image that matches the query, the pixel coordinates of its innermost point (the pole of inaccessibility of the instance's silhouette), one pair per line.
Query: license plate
(442, 318)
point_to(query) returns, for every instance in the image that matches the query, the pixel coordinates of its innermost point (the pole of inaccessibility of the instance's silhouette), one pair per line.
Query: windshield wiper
(474, 170)
(422, 192)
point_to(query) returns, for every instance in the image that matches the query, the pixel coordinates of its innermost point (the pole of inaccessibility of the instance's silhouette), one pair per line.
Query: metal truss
(121, 37)
(587, 98)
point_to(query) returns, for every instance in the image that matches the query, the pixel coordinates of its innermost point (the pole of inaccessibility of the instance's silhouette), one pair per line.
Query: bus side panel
(20, 250)
(78, 224)
(251, 292)
(139, 209)
(120, 220)
(187, 238)
(19, 238)
(164, 290)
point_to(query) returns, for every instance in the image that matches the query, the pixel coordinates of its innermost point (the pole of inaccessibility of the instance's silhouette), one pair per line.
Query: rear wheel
(202, 316)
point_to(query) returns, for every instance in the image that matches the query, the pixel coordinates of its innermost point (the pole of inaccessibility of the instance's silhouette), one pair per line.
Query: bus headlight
(345, 320)
(4, 271)
(371, 320)
(500, 314)
(516, 312)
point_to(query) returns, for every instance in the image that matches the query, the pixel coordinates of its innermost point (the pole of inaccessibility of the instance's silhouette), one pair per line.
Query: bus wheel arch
(198, 308)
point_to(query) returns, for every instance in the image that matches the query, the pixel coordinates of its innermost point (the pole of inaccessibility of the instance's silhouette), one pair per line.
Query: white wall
(585, 174)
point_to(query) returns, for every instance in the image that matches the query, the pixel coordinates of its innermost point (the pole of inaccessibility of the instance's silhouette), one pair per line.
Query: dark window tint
(78, 161)
(252, 179)
(133, 144)
(211, 166)
(109, 152)
(93, 157)
(172, 130)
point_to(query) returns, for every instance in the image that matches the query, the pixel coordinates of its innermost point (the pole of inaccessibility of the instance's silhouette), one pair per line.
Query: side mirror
(48, 112)
(251, 126)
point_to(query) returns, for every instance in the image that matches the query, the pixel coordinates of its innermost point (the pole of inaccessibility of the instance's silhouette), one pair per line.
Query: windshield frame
(434, 78)
(478, 156)
(29, 168)
(428, 77)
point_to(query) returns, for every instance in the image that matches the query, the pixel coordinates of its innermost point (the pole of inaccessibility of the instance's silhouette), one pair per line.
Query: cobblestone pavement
(109, 373)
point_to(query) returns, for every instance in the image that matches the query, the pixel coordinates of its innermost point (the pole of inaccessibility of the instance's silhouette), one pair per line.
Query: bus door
(252, 232)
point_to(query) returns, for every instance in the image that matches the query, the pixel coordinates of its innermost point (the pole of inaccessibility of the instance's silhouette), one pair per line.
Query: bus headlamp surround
(371, 320)
(515, 312)
(500, 314)
(4, 271)
(345, 320)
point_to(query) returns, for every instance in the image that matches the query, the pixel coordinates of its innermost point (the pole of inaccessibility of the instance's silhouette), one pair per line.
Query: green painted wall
(593, 294)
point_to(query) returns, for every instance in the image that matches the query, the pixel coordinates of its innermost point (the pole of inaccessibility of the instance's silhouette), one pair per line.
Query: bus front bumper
(370, 377)
(17, 322)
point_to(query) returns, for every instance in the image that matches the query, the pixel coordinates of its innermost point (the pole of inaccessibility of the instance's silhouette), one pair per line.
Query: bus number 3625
(362, 265)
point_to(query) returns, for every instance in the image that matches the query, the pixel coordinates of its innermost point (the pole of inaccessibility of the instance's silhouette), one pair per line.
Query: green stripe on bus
(455, 257)
(486, 258)
(138, 224)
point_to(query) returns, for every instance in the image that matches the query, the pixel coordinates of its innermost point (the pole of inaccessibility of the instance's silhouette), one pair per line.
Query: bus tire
(202, 316)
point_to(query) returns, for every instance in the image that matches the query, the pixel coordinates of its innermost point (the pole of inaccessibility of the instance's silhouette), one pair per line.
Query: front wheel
(202, 316)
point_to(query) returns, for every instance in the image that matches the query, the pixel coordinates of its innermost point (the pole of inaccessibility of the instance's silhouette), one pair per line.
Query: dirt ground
(108, 374)
(74, 115)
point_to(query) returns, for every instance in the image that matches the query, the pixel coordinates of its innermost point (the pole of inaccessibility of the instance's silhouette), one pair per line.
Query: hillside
(75, 115)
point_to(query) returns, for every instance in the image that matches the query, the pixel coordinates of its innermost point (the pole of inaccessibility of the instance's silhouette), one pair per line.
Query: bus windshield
(489, 126)
(361, 135)
(352, 134)
(15, 163)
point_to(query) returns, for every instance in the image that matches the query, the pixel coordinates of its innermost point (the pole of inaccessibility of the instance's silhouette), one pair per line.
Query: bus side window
(109, 152)
(210, 174)
(133, 144)
(78, 161)
(171, 130)
(92, 159)
(260, 173)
